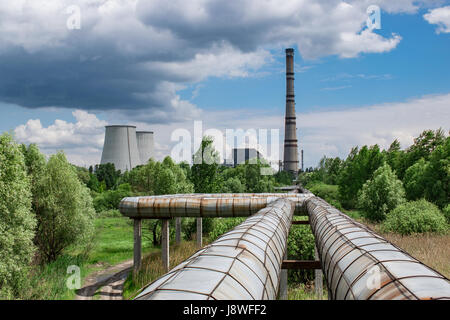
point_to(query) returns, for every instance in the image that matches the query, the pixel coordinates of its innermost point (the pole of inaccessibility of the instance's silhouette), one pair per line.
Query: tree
(381, 194)
(204, 171)
(357, 169)
(64, 208)
(414, 180)
(17, 223)
(107, 173)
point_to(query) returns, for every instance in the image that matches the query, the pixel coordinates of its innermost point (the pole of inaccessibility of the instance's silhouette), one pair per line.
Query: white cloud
(441, 17)
(82, 140)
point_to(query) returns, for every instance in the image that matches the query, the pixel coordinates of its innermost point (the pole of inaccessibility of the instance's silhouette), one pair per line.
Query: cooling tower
(120, 147)
(290, 129)
(145, 145)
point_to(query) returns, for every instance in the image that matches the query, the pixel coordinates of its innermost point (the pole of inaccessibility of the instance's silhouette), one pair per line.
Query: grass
(152, 267)
(430, 248)
(113, 243)
(305, 291)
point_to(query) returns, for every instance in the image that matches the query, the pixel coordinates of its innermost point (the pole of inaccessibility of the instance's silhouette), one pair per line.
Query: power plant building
(126, 148)
(146, 145)
(290, 160)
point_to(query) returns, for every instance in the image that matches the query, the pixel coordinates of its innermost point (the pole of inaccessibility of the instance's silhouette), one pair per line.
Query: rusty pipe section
(358, 264)
(243, 264)
(204, 205)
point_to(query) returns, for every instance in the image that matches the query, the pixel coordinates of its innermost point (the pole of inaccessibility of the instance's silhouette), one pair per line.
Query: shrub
(415, 217)
(381, 194)
(300, 247)
(446, 212)
(327, 192)
(223, 225)
(17, 223)
(109, 200)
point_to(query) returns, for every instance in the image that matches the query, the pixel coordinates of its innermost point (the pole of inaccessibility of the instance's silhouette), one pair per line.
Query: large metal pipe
(243, 264)
(204, 205)
(359, 264)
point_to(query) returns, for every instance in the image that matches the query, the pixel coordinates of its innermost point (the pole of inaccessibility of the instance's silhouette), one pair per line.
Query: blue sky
(162, 66)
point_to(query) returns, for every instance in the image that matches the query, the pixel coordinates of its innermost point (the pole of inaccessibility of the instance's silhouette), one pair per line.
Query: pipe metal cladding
(243, 264)
(204, 205)
(359, 264)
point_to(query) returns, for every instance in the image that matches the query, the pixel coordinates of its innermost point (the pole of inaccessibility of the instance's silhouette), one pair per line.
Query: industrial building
(241, 155)
(126, 148)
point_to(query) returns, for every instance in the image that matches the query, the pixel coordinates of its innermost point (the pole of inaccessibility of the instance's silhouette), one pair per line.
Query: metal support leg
(199, 232)
(137, 255)
(177, 230)
(165, 244)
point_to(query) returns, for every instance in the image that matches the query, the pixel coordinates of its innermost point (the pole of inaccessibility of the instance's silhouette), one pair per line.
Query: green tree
(381, 194)
(357, 169)
(205, 170)
(64, 208)
(17, 223)
(107, 173)
(414, 180)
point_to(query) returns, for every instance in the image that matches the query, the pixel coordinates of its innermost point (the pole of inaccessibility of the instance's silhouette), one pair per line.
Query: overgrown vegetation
(377, 181)
(415, 217)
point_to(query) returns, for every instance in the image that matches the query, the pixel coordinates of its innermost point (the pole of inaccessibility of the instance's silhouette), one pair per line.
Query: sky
(68, 68)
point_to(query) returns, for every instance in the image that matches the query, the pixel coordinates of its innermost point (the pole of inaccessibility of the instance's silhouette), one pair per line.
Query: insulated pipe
(360, 265)
(242, 264)
(204, 205)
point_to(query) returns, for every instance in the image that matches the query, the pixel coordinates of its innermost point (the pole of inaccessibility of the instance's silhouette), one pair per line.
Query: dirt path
(110, 282)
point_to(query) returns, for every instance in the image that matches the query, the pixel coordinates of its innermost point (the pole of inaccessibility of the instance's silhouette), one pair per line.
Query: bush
(415, 217)
(109, 200)
(381, 194)
(446, 212)
(17, 223)
(327, 192)
(300, 247)
(223, 225)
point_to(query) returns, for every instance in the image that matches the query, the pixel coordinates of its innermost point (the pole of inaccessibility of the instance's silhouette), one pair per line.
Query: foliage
(328, 170)
(381, 194)
(223, 225)
(204, 171)
(110, 199)
(415, 217)
(17, 223)
(329, 193)
(357, 169)
(233, 185)
(446, 212)
(107, 173)
(63, 209)
(414, 180)
(300, 247)
(284, 178)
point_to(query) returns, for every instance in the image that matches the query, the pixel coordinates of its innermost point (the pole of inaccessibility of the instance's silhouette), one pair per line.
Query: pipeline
(205, 205)
(243, 264)
(358, 264)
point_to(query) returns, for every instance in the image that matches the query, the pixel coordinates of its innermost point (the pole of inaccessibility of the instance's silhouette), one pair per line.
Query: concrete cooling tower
(120, 147)
(145, 145)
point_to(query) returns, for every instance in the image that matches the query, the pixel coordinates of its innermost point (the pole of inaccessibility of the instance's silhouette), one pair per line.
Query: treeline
(385, 185)
(109, 186)
(44, 208)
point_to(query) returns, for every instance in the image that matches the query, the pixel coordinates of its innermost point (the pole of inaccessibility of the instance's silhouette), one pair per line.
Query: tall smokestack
(290, 128)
